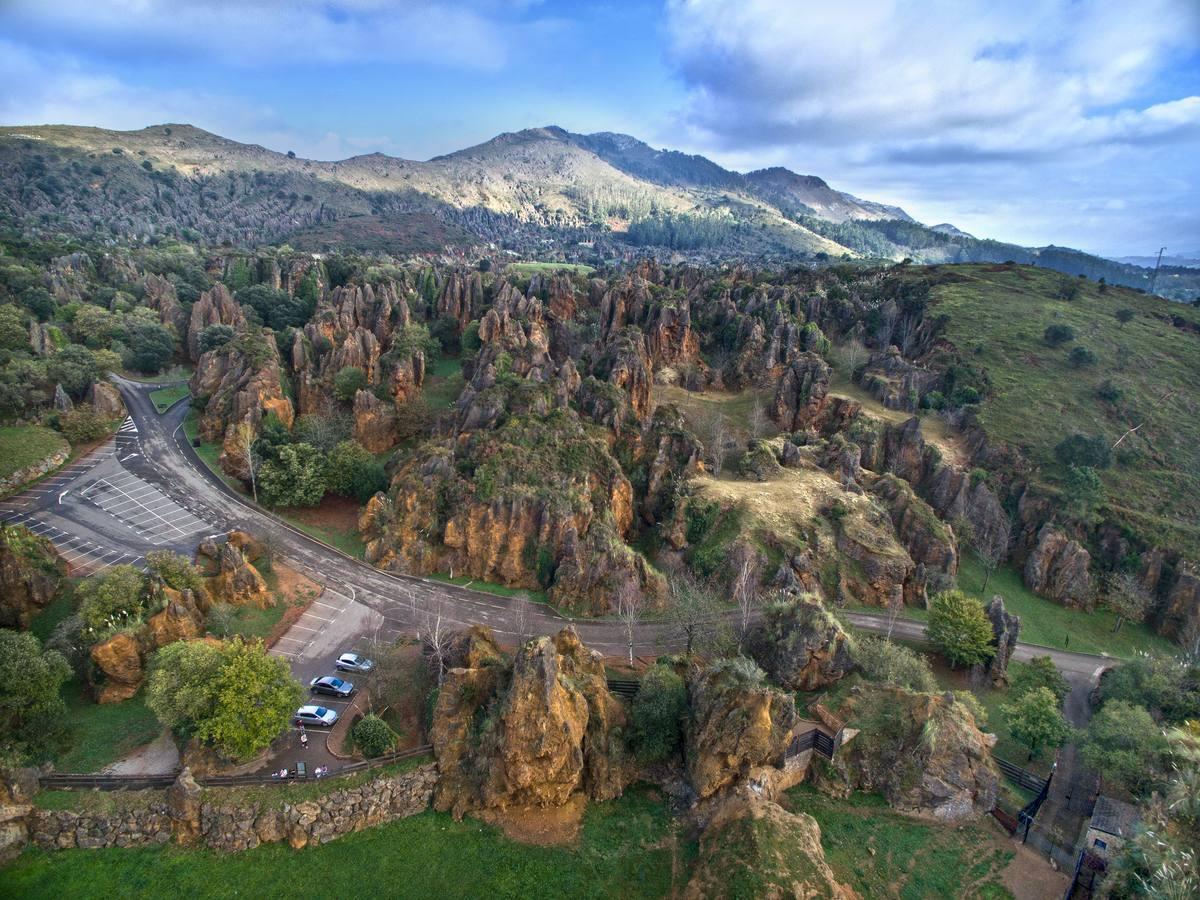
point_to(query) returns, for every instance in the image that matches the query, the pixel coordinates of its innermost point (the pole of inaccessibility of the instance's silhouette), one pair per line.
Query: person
(304, 739)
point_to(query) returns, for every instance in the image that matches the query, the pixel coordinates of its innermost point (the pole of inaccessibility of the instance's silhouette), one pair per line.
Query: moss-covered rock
(801, 645)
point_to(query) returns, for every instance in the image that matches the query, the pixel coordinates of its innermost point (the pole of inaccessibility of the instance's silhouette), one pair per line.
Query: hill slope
(532, 191)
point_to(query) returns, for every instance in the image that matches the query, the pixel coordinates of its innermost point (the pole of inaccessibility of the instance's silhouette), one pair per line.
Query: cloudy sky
(1074, 122)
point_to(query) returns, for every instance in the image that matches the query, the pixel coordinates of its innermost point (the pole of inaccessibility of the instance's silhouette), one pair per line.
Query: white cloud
(254, 33)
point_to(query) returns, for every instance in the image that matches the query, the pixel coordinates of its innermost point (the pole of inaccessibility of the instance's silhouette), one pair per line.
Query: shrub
(112, 601)
(1126, 744)
(1109, 391)
(83, 425)
(373, 736)
(881, 660)
(959, 629)
(1036, 721)
(1084, 450)
(1125, 315)
(933, 400)
(1081, 356)
(32, 711)
(215, 336)
(658, 710)
(348, 382)
(296, 477)
(1057, 335)
(1068, 288)
(1040, 672)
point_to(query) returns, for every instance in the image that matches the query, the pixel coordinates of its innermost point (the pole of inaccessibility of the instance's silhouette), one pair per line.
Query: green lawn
(488, 587)
(1052, 625)
(625, 850)
(164, 398)
(102, 733)
(349, 541)
(60, 607)
(443, 383)
(530, 268)
(210, 454)
(24, 445)
(911, 859)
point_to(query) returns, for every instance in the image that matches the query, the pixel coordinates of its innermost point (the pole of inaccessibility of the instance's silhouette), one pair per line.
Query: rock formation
(738, 722)
(106, 400)
(119, 660)
(374, 422)
(1005, 630)
(923, 752)
(530, 735)
(30, 572)
(800, 393)
(215, 307)
(236, 580)
(800, 645)
(1057, 568)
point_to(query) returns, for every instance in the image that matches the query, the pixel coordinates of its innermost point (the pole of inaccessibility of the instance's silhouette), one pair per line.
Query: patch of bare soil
(332, 512)
(555, 827)
(1030, 877)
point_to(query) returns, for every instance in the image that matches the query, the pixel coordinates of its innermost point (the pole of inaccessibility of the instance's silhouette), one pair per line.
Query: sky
(1073, 122)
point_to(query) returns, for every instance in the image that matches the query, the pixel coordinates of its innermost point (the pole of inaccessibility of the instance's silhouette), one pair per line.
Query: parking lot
(144, 508)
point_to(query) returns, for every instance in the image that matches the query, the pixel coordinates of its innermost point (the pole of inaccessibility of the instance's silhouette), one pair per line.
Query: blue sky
(1074, 122)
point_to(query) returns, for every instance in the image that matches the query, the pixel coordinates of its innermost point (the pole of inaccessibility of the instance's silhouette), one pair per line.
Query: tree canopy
(959, 629)
(32, 710)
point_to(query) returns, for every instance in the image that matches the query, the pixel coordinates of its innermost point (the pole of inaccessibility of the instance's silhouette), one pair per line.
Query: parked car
(315, 715)
(331, 685)
(352, 662)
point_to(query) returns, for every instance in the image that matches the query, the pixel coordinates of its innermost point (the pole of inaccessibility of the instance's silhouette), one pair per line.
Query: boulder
(62, 402)
(119, 659)
(530, 735)
(237, 581)
(179, 620)
(738, 722)
(755, 848)
(1057, 568)
(1005, 630)
(183, 806)
(923, 752)
(800, 645)
(106, 400)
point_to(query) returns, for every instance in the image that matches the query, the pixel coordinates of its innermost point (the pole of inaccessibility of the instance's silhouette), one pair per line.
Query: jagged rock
(41, 338)
(1005, 630)
(62, 403)
(1057, 568)
(800, 645)
(179, 620)
(759, 463)
(1180, 616)
(929, 541)
(671, 454)
(183, 805)
(215, 307)
(550, 730)
(800, 393)
(885, 575)
(790, 457)
(159, 294)
(897, 383)
(923, 752)
(472, 648)
(119, 659)
(237, 581)
(754, 847)
(374, 422)
(106, 400)
(738, 722)
(626, 365)
(30, 572)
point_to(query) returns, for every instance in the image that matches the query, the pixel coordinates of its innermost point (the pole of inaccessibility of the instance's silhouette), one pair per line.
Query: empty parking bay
(144, 508)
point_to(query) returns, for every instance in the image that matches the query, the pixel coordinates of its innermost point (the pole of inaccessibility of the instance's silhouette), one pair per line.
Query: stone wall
(220, 818)
(34, 470)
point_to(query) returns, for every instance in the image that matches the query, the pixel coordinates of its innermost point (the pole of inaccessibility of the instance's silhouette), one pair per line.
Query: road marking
(63, 494)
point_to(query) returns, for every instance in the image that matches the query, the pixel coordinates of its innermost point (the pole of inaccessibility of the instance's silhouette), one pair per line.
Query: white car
(315, 715)
(353, 662)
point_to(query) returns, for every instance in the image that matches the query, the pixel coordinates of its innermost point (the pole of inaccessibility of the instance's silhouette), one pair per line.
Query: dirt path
(159, 757)
(1030, 877)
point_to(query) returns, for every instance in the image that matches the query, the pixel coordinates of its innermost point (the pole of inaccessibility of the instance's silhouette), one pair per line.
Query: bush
(1084, 450)
(83, 425)
(933, 400)
(1081, 356)
(959, 629)
(1126, 744)
(1040, 672)
(1125, 315)
(296, 477)
(215, 336)
(32, 711)
(1068, 288)
(112, 602)
(881, 660)
(373, 736)
(1168, 688)
(658, 710)
(348, 382)
(1057, 335)
(1109, 391)
(151, 346)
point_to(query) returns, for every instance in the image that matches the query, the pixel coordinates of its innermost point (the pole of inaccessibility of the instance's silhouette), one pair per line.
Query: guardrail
(80, 782)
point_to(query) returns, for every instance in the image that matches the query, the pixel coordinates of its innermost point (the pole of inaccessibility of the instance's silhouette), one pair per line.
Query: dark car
(353, 662)
(315, 715)
(331, 685)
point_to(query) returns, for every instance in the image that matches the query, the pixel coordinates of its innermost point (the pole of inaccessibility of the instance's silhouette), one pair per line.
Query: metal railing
(1022, 778)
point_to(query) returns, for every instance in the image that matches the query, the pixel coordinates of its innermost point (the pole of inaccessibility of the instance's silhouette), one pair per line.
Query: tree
(758, 420)
(373, 736)
(853, 353)
(14, 328)
(522, 617)
(745, 588)
(1068, 288)
(235, 696)
(658, 711)
(348, 382)
(74, 368)
(1127, 599)
(112, 601)
(1168, 687)
(215, 336)
(881, 660)
(1036, 721)
(1057, 335)
(151, 346)
(959, 629)
(1084, 491)
(325, 432)
(695, 611)
(1125, 745)
(630, 603)
(84, 424)
(438, 635)
(295, 478)
(1039, 672)
(32, 711)
(354, 472)
(1125, 315)
(244, 439)
(715, 434)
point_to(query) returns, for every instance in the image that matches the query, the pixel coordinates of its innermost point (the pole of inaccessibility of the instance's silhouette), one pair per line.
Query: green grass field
(349, 541)
(488, 587)
(997, 317)
(24, 445)
(102, 733)
(912, 859)
(164, 398)
(625, 850)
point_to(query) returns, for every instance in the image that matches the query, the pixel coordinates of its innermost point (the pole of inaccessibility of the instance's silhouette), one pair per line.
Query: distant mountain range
(542, 192)
(1181, 261)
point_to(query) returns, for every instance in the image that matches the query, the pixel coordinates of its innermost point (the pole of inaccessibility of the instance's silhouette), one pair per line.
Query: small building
(1112, 824)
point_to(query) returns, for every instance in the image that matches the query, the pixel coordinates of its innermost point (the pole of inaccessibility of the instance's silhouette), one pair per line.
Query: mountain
(541, 192)
(1180, 261)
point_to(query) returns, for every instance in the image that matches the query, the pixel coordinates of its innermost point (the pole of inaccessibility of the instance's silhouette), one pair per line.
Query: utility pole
(1157, 266)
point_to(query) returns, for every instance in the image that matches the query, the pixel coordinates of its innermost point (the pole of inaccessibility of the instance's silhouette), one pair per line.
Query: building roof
(1114, 817)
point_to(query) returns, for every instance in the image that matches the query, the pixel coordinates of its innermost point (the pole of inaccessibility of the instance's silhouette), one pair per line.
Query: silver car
(331, 685)
(353, 662)
(315, 715)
